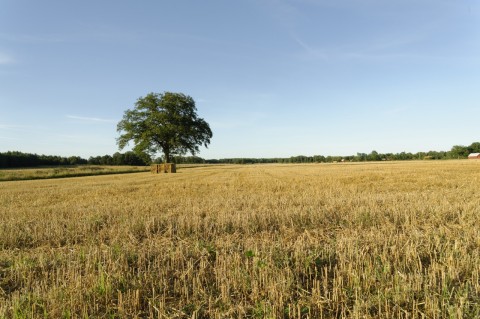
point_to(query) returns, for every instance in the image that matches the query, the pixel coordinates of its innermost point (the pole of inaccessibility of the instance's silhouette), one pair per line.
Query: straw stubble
(384, 240)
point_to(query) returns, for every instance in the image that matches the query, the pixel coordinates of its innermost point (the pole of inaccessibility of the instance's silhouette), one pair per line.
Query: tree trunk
(167, 155)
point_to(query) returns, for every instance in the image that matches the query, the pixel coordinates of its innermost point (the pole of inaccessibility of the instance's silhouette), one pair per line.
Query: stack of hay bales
(163, 168)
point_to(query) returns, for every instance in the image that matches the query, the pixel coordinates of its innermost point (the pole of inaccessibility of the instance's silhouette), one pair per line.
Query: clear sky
(274, 78)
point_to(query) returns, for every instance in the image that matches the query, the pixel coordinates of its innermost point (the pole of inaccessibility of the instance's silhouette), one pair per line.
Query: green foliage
(127, 158)
(249, 254)
(19, 159)
(459, 151)
(474, 147)
(13, 159)
(166, 123)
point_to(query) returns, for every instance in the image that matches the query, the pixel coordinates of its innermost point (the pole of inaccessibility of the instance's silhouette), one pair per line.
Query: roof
(473, 154)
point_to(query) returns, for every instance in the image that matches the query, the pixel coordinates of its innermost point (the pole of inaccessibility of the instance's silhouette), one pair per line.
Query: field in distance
(374, 240)
(66, 171)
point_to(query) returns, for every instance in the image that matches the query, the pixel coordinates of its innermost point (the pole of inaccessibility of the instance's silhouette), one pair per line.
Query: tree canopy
(164, 122)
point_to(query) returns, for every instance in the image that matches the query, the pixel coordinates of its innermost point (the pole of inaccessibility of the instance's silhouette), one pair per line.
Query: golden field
(66, 171)
(371, 240)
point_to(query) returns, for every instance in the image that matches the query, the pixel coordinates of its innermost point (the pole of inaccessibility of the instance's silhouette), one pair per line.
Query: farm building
(474, 156)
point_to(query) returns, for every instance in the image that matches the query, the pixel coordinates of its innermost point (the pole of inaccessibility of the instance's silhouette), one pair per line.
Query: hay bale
(163, 168)
(171, 168)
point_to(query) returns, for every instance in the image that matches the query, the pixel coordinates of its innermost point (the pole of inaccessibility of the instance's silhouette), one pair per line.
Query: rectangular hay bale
(163, 168)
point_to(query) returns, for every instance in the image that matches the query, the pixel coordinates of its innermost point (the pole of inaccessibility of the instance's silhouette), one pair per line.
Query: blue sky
(274, 78)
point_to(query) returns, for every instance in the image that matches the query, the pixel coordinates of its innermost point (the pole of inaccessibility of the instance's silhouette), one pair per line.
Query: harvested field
(66, 171)
(376, 240)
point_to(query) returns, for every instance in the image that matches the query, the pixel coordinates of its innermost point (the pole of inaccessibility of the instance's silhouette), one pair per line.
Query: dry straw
(163, 168)
(392, 240)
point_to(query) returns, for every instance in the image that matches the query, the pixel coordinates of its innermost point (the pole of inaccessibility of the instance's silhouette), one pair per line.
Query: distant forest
(19, 159)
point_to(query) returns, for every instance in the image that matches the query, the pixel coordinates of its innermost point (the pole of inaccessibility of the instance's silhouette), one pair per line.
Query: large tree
(164, 122)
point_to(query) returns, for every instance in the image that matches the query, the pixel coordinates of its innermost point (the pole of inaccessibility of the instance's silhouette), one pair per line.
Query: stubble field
(66, 171)
(381, 240)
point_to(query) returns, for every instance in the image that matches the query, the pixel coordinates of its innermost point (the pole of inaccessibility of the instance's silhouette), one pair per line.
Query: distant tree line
(182, 160)
(19, 159)
(127, 158)
(457, 152)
